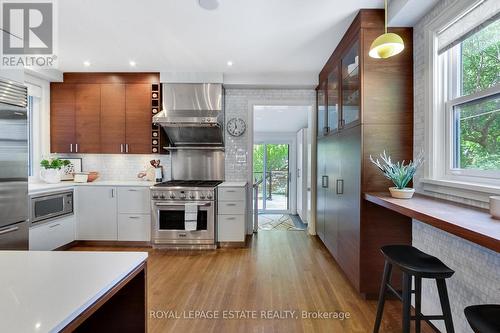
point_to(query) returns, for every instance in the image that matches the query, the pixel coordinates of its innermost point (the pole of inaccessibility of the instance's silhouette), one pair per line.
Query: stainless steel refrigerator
(13, 166)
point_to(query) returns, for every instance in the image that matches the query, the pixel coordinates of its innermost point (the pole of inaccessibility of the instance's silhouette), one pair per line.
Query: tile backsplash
(121, 166)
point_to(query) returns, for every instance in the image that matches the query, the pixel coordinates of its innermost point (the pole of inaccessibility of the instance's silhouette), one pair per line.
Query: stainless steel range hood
(192, 115)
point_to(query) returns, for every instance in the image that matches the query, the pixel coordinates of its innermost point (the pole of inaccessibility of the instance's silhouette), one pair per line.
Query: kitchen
(127, 176)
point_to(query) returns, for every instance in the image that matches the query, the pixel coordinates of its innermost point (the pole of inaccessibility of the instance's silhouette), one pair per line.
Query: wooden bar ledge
(473, 224)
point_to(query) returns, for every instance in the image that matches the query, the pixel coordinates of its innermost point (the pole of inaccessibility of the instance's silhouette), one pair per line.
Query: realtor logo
(28, 34)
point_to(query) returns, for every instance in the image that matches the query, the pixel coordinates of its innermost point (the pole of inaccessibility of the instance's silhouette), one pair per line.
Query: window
(30, 135)
(471, 81)
(35, 128)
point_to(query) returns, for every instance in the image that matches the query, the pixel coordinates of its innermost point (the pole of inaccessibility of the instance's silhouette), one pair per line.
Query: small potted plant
(399, 173)
(51, 169)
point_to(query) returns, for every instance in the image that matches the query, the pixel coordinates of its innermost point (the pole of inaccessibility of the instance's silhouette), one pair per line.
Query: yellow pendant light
(387, 45)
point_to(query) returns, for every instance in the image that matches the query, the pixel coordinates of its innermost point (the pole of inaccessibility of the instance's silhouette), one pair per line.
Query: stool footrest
(422, 317)
(395, 292)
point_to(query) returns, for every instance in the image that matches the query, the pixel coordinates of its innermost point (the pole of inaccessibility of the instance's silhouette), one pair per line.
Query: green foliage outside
(277, 166)
(480, 121)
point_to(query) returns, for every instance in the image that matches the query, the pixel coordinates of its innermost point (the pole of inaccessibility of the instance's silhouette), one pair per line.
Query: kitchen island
(72, 291)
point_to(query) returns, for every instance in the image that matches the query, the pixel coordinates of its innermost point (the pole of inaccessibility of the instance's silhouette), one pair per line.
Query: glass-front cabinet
(333, 100)
(321, 102)
(350, 87)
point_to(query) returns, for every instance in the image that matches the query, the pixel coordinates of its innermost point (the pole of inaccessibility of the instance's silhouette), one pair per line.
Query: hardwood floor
(279, 271)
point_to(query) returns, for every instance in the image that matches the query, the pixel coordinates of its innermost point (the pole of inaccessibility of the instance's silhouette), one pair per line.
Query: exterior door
(271, 164)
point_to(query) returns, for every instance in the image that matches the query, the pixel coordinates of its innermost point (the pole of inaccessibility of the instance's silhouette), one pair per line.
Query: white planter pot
(405, 193)
(51, 176)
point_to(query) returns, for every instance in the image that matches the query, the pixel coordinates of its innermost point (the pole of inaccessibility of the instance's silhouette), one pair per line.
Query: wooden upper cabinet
(88, 111)
(62, 118)
(112, 118)
(102, 113)
(138, 118)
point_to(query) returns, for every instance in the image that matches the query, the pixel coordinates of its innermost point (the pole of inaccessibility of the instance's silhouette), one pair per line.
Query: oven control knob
(202, 195)
(192, 196)
(155, 195)
(183, 195)
(209, 195)
(172, 195)
(162, 196)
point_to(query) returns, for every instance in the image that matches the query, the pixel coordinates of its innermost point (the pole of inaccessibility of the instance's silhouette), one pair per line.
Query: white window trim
(436, 120)
(41, 123)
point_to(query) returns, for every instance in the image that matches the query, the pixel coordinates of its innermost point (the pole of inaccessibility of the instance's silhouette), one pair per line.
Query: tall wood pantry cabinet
(364, 106)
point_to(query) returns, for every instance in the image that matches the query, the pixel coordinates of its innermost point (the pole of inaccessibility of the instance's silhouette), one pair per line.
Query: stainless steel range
(184, 209)
(170, 202)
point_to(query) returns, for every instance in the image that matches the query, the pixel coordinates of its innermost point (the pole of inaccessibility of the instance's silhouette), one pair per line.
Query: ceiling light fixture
(132, 63)
(388, 44)
(86, 63)
(209, 4)
(229, 63)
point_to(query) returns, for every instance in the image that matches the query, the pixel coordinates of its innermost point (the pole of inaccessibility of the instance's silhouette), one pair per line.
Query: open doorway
(280, 172)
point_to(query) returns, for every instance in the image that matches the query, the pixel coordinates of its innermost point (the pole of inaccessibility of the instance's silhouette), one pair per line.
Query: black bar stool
(414, 263)
(483, 318)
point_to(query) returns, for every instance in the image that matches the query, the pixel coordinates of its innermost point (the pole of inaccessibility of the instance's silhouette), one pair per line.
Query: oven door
(168, 224)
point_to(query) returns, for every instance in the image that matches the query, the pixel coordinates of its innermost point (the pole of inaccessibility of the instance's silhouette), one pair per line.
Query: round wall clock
(236, 126)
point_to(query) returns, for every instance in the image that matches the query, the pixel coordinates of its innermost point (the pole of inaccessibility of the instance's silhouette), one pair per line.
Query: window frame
(437, 89)
(451, 84)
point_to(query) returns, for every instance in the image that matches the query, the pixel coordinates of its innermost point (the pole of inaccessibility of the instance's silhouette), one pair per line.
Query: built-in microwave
(45, 207)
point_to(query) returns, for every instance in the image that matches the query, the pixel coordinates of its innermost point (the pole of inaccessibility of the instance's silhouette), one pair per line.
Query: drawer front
(52, 235)
(134, 227)
(133, 200)
(231, 207)
(231, 194)
(231, 228)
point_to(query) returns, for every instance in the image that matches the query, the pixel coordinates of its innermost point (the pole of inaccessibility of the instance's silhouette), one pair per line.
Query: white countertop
(233, 184)
(42, 291)
(36, 188)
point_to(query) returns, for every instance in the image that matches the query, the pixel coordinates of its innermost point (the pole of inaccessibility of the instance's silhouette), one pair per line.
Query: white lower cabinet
(134, 227)
(113, 213)
(231, 228)
(97, 214)
(231, 215)
(51, 235)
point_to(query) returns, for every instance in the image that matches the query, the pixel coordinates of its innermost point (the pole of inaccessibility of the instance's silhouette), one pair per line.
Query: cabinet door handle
(55, 225)
(230, 204)
(70, 147)
(121, 147)
(126, 147)
(340, 186)
(112, 192)
(231, 218)
(132, 190)
(324, 181)
(76, 145)
(133, 217)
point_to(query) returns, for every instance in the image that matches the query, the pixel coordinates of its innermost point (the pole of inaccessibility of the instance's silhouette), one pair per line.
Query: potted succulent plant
(399, 173)
(51, 169)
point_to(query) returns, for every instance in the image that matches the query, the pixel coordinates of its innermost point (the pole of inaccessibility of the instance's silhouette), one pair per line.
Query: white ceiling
(273, 118)
(258, 36)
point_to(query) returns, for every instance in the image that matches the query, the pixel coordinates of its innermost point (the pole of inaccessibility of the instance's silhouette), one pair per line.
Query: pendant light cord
(385, 16)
